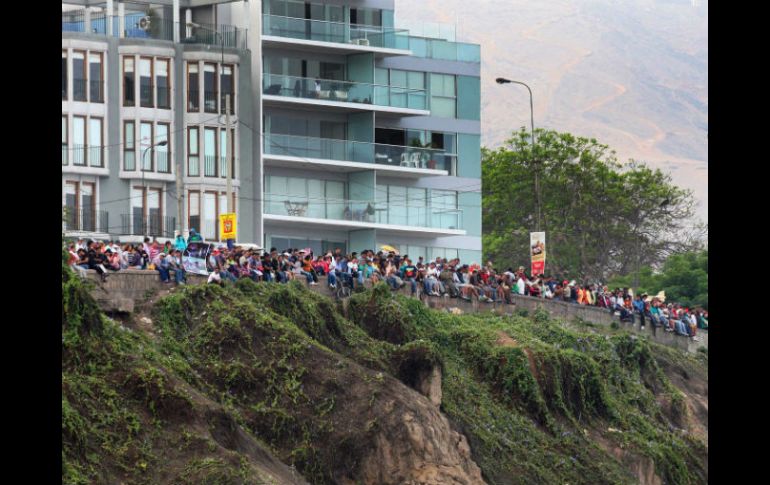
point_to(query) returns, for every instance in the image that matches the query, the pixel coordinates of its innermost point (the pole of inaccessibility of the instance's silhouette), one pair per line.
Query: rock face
(417, 446)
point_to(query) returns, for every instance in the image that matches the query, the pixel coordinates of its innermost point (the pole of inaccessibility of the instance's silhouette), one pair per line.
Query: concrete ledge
(124, 289)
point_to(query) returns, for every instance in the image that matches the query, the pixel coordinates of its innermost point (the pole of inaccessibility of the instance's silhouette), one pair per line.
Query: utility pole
(179, 197)
(229, 157)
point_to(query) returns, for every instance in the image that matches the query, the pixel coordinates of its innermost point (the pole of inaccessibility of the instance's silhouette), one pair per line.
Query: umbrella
(388, 248)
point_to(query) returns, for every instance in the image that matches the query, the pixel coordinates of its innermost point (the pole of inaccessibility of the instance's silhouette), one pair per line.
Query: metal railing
(96, 91)
(146, 95)
(164, 97)
(193, 100)
(79, 90)
(138, 225)
(364, 211)
(336, 32)
(83, 155)
(210, 101)
(356, 151)
(157, 28)
(214, 166)
(87, 220)
(343, 91)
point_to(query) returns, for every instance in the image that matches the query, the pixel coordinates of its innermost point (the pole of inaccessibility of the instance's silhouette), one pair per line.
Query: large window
(96, 80)
(129, 82)
(443, 96)
(147, 212)
(210, 152)
(193, 153)
(79, 140)
(146, 97)
(79, 91)
(210, 215)
(146, 136)
(129, 146)
(228, 87)
(210, 88)
(320, 199)
(80, 205)
(64, 141)
(193, 87)
(95, 142)
(63, 75)
(414, 206)
(194, 210)
(163, 152)
(162, 81)
(366, 16)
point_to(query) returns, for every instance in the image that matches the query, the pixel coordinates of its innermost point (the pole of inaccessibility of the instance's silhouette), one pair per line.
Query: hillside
(264, 383)
(632, 74)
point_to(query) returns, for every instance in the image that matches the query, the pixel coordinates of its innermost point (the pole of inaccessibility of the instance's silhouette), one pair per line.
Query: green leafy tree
(601, 217)
(684, 277)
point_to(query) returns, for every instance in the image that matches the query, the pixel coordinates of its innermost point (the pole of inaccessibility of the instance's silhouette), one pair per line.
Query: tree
(601, 217)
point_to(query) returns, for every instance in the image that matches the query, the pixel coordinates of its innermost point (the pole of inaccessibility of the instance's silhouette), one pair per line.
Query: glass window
(193, 152)
(366, 16)
(443, 101)
(87, 207)
(129, 146)
(138, 225)
(79, 140)
(444, 212)
(228, 87)
(155, 212)
(146, 138)
(129, 88)
(145, 83)
(79, 76)
(163, 154)
(64, 141)
(194, 210)
(210, 152)
(223, 153)
(95, 77)
(193, 86)
(210, 88)
(63, 75)
(163, 83)
(95, 148)
(71, 203)
(210, 216)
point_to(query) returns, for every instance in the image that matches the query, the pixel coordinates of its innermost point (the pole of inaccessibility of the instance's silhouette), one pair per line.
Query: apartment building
(346, 130)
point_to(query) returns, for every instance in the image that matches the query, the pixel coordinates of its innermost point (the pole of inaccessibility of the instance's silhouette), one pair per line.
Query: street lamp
(502, 80)
(144, 189)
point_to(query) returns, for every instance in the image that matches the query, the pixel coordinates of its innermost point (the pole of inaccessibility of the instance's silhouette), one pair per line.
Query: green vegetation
(281, 365)
(601, 218)
(684, 277)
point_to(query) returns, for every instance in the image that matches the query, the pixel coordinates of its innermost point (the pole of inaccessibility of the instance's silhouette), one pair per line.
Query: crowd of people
(439, 277)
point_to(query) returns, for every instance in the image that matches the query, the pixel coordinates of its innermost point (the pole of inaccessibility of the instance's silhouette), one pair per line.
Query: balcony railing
(138, 225)
(83, 155)
(157, 29)
(343, 91)
(96, 91)
(210, 101)
(146, 92)
(214, 166)
(337, 32)
(444, 49)
(88, 220)
(193, 100)
(356, 151)
(363, 211)
(79, 91)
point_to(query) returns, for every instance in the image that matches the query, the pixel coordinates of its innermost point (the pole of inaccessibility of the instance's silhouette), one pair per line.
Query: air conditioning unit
(144, 23)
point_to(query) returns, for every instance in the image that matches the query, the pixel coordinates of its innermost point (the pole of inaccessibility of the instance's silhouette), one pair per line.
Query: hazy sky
(631, 73)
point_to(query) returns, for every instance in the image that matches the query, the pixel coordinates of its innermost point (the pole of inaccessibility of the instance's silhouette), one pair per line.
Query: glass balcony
(343, 91)
(363, 211)
(444, 49)
(157, 28)
(337, 32)
(355, 151)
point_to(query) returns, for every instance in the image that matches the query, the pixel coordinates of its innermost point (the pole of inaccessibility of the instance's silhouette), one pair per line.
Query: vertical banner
(537, 249)
(227, 227)
(195, 256)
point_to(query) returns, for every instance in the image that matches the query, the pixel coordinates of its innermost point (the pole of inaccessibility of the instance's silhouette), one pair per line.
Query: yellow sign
(227, 227)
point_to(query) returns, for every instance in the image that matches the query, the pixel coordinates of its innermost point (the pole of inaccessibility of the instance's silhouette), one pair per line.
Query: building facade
(345, 130)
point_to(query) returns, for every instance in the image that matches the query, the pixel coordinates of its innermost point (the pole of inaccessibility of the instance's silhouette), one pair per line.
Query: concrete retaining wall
(123, 290)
